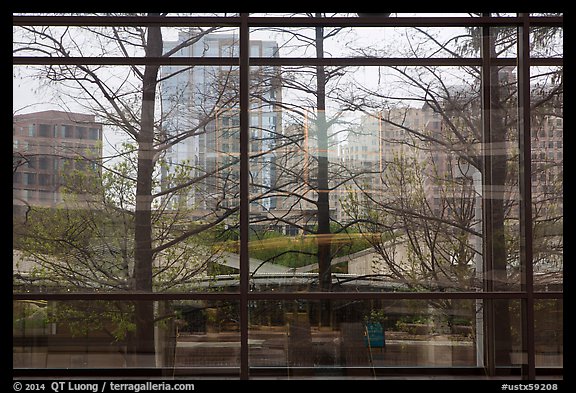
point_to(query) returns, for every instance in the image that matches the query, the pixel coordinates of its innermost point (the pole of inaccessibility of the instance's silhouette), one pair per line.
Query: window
(44, 163)
(44, 179)
(68, 131)
(81, 132)
(45, 130)
(29, 179)
(342, 236)
(94, 133)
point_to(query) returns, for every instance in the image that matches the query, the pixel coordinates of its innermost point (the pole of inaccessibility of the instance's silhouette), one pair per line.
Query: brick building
(45, 144)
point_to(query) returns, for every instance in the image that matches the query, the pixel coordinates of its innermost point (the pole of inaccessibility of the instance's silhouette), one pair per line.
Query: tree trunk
(144, 310)
(324, 251)
(501, 310)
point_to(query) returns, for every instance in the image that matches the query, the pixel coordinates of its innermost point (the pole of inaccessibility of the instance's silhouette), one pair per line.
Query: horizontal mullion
(277, 61)
(254, 61)
(393, 21)
(544, 21)
(398, 295)
(89, 20)
(272, 21)
(120, 60)
(138, 296)
(277, 373)
(364, 61)
(127, 296)
(399, 61)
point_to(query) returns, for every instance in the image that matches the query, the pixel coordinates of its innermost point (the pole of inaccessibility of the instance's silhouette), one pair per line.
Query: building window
(29, 179)
(46, 131)
(68, 131)
(81, 132)
(44, 179)
(94, 133)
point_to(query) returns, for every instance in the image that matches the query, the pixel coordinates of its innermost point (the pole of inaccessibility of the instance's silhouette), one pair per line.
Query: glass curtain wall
(296, 196)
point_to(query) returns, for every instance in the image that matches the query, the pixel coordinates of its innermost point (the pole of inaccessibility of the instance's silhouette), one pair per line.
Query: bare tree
(485, 152)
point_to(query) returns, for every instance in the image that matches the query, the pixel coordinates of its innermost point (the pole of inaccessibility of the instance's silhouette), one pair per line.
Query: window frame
(245, 22)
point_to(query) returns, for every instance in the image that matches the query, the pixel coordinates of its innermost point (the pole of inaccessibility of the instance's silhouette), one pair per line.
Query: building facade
(46, 145)
(200, 112)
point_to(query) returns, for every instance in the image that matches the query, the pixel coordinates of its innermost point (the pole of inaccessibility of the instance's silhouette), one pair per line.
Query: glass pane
(504, 41)
(364, 336)
(107, 334)
(402, 181)
(549, 333)
(547, 123)
(504, 338)
(547, 41)
(404, 42)
(123, 42)
(79, 157)
(201, 41)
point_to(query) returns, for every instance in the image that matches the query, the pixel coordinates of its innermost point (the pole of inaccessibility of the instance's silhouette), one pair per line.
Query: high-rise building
(46, 145)
(200, 111)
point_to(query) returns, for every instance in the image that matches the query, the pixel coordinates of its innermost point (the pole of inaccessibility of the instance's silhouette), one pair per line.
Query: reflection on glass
(361, 179)
(283, 334)
(364, 335)
(105, 334)
(549, 333)
(408, 186)
(78, 205)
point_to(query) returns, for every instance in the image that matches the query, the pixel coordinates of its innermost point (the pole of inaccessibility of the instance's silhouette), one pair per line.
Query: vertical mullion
(244, 192)
(525, 189)
(487, 201)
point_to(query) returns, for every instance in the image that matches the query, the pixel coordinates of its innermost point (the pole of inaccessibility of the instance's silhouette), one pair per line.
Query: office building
(48, 145)
(200, 110)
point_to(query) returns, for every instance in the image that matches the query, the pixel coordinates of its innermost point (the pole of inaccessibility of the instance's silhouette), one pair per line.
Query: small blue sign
(374, 335)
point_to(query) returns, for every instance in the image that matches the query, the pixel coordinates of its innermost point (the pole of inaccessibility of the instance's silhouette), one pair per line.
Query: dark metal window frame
(244, 22)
